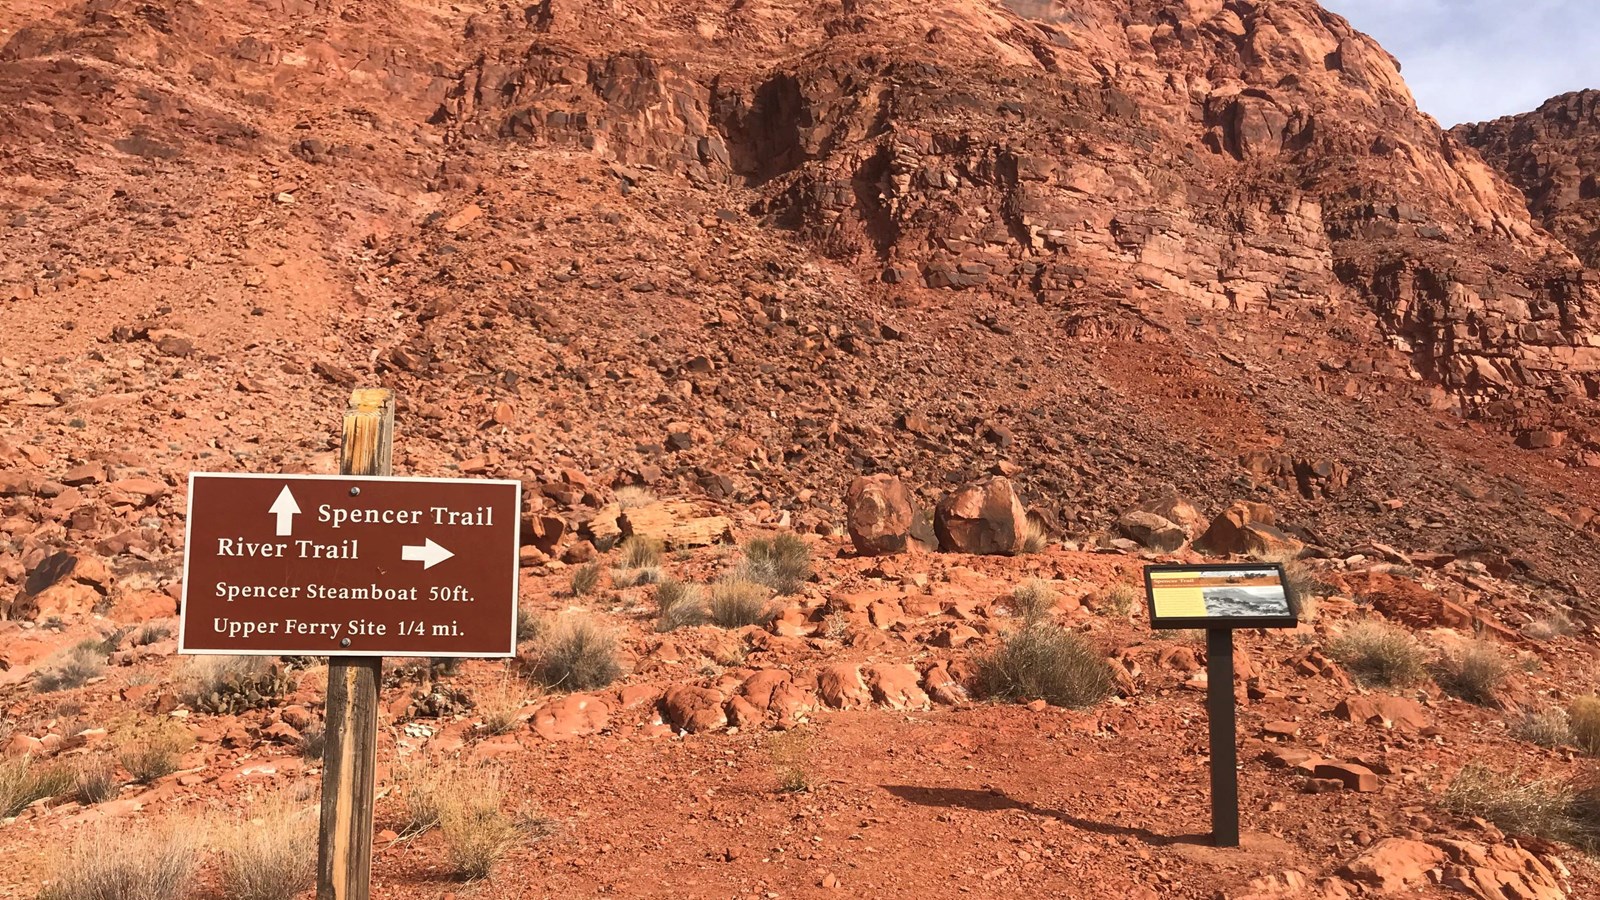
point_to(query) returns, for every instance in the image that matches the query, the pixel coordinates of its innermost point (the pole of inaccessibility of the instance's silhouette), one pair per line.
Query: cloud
(1470, 60)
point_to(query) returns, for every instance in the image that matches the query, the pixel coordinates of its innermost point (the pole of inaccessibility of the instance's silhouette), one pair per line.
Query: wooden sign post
(1219, 599)
(349, 756)
(355, 566)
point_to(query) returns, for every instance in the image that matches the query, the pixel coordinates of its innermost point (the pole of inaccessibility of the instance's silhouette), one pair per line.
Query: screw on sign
(303, 564)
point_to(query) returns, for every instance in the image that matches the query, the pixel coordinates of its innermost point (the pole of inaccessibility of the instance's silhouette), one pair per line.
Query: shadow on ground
(994, 801)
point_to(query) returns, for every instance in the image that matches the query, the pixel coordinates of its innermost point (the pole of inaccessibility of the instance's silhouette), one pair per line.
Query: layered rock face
(1553, 155)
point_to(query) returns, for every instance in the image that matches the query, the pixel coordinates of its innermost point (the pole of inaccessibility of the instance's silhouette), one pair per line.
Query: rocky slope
(741, 254)
(1551, 155)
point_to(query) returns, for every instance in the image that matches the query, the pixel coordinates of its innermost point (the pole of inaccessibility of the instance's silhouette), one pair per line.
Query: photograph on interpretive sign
(1222, 596)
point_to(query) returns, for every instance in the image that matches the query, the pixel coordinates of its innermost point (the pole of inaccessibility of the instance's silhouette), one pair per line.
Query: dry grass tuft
(627, 578)
(1380, 655)
(1473, 671)
(125, 863)
(94, 781)
(638, 552)
(272, 855)
(71, 669)
(632, 497)
(1043, 660)
(153, 751)
(680, 604)
(499, 706)
(1034, 600)
(1549, 627)
(1584, 714)
(585, 580)
(476, 831)
(152, 632)
(577, 655)
(1120, 598)
(1548, 728)
(529, 626)
(737, 602)
(22, 781)
(782, 563)
(1034, 537)
(1547, 808)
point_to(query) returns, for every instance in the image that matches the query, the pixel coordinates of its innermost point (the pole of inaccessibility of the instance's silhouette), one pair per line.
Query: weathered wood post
(349, 757)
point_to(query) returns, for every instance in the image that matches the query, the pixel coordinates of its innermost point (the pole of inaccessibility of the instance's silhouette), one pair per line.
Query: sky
(1471, 60)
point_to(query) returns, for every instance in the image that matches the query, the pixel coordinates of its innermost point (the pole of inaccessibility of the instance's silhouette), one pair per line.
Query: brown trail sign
(353, 566)
(356, 566)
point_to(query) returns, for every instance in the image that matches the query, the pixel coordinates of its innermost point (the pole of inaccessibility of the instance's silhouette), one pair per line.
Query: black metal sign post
(1224, 738)
(1219, 599)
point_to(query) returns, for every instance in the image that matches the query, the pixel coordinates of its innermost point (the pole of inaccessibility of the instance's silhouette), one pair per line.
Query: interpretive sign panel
(1248, 595)
(350, 566)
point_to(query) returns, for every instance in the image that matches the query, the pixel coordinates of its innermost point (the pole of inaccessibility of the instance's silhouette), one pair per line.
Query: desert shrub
(585, 580)
(1380, 655)
(577, 655)
(498, 707)
(529, 626)
(153, 751)
(782, 563)
(627, 578)
(72, 668)
(639, 552)
(22, 781)
(1549, 627)
(1584, 715)
(124, 863)
(1034, 537)
(1472, 671)
(421, 787)
(737, 602)
(836, 625)
(1033, 600)
(272, 855)
(679, 604)
(94, 781)
(228, 685)
(1120, 598)
(312, 742)
(476, 831)
(151, 633)
(1044, 660)
(1547, 728)
(632, 497)
(1548, 808)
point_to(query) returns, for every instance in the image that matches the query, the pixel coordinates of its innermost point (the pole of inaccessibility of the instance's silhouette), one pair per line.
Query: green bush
(1044, 660)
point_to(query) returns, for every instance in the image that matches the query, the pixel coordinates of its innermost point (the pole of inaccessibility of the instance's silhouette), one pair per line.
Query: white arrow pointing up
(285, 509)
(429, 554)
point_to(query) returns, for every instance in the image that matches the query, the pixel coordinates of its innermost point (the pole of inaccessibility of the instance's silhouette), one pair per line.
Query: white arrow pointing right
(429, 554)
(285, 509)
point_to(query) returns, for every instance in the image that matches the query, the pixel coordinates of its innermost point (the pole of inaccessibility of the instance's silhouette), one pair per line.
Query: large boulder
(880, 515)
(981, 517)
(1152, 531)
(1246, 528)
(1176, 510)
